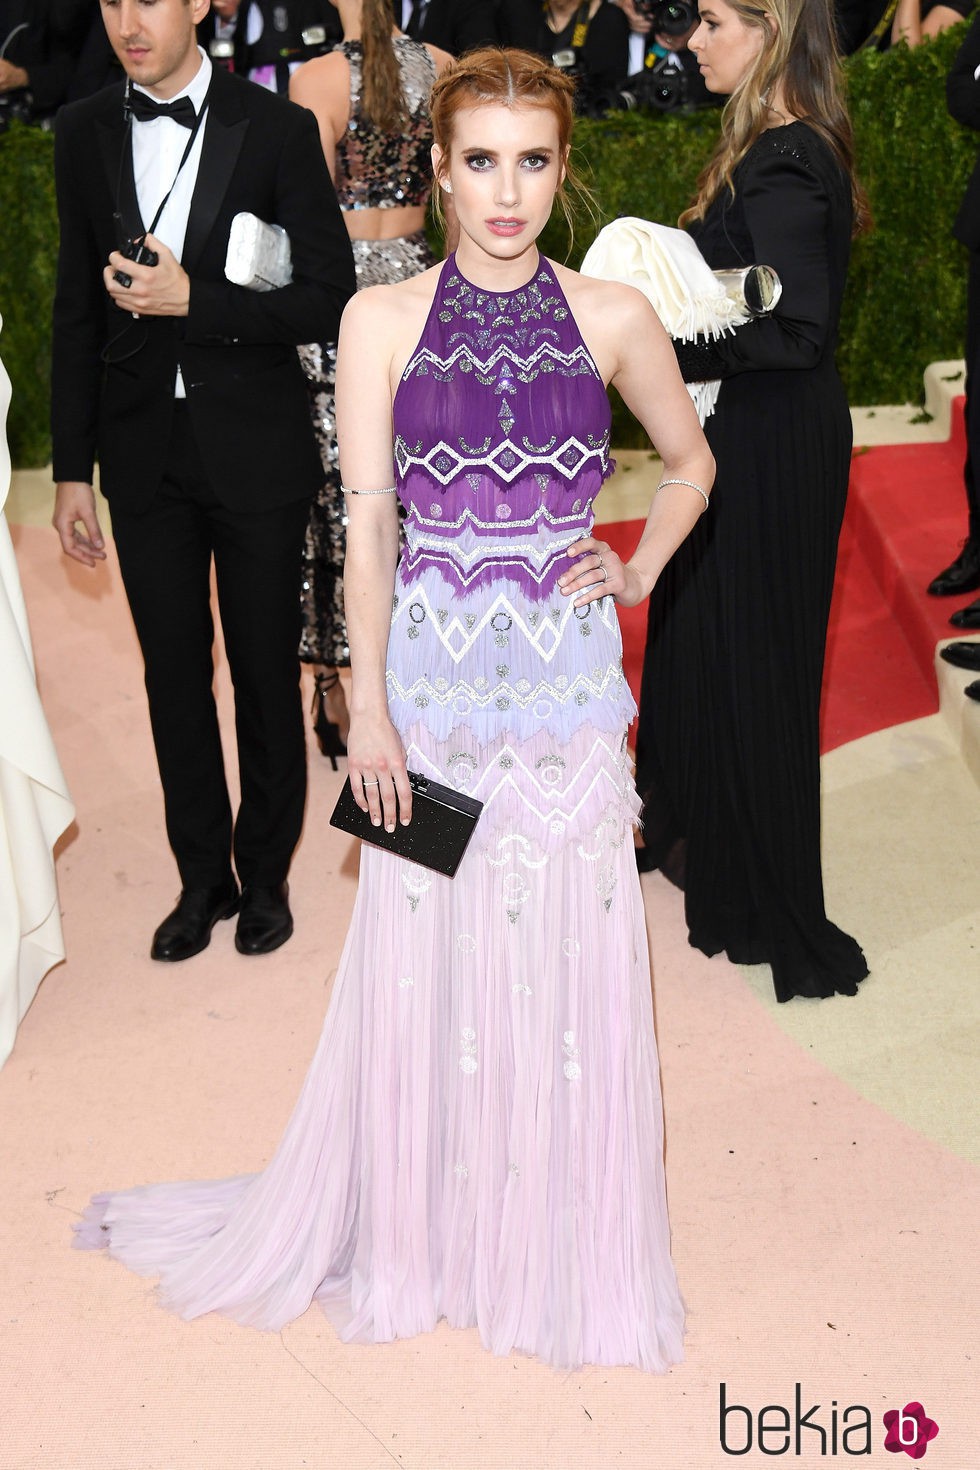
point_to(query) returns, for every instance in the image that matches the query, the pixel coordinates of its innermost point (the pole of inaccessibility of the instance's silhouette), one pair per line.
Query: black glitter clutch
(442, 824)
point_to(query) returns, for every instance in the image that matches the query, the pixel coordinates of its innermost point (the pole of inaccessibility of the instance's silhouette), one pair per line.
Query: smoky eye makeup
(482, 158)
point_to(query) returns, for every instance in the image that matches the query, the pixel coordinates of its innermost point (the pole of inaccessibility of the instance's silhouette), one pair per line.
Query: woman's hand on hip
(600, 572)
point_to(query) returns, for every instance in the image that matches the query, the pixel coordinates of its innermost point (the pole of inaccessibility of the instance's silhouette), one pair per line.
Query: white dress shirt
(637, 54)
(158, 147)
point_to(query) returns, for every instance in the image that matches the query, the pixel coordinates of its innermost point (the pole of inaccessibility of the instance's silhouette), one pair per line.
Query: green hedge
(28, 252)
(906, 295)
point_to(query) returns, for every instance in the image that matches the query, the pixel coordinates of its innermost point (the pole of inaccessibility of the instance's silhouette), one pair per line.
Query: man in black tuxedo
(189, 390)
(453, 25)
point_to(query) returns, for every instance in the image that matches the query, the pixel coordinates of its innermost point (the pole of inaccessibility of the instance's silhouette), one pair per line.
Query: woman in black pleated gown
(728, 756)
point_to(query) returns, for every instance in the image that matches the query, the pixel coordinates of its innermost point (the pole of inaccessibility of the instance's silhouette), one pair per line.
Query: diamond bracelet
(703, 493)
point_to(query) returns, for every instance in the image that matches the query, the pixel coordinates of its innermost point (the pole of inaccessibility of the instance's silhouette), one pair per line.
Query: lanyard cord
(128, 144)
(881, 27)
(105, 354)
(581, 27)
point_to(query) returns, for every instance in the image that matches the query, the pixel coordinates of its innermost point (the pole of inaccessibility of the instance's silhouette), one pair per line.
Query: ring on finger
(605, 575)
(369, 783)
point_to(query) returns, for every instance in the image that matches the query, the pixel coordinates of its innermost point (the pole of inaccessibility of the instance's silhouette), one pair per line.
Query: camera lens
(666, 86)
(673, 17)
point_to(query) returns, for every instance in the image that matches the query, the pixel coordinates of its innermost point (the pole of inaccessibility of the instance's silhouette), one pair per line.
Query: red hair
(506, 77)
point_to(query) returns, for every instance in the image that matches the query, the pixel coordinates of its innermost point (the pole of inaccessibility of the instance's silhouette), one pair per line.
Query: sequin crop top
(377, 170)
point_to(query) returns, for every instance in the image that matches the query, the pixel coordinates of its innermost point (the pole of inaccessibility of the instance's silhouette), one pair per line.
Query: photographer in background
(217, 31)
(664, 74)
(273, 38)
(38, 43)
(450, 25)
(587, 39)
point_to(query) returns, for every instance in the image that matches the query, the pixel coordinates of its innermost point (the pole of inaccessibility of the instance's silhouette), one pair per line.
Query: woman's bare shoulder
(594, 297)
(320, 71)
(443, 60)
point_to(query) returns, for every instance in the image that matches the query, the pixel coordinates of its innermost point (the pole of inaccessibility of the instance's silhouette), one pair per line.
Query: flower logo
(909, 1429)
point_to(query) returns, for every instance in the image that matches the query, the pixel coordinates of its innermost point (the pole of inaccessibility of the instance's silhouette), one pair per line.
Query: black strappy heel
(327, 733)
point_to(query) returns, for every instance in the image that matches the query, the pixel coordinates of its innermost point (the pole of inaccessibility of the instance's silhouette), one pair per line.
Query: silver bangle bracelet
(703, 493)
(388, 490)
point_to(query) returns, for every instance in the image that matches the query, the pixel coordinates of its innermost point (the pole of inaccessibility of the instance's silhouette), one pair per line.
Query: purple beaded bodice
(501, 435)
(497, 682)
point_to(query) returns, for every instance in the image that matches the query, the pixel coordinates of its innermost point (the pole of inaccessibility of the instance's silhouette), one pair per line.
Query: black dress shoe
(265, 921)
(972, 691)
(962, 655)
(967, 617)
(187, 930)
(962, 575)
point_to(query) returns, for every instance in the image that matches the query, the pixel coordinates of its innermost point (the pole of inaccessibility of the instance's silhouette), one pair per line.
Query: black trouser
(972, 467)
(165, 555)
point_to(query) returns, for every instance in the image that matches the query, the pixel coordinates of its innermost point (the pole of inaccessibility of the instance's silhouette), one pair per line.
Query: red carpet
(906, 517)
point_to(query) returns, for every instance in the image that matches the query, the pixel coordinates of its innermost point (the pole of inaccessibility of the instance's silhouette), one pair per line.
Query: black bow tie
(145, 109)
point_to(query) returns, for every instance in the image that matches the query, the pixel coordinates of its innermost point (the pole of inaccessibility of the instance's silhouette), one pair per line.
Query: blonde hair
(509, 78)
(799, 52)
(382, 99)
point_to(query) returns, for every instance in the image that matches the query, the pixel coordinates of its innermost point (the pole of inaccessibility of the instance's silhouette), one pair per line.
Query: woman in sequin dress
(480, 1134)
(370, 98)
(730, 774)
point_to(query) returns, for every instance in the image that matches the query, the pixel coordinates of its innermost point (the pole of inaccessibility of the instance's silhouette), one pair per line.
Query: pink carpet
(819, 1240)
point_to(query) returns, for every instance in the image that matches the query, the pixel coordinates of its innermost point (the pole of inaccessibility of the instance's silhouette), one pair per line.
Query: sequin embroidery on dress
(386, 170)
(379, 170)
(499, 684)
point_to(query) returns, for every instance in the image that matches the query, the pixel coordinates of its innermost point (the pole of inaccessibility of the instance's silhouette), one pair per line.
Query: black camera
(669, 17)
(662, 87)
(139, 253)
(666, 85)
(672, 83)
(570, 62)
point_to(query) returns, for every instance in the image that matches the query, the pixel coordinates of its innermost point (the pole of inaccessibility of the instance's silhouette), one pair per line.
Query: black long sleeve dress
(728, 754)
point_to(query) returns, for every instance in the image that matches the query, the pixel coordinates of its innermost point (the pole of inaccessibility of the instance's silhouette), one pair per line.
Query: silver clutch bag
(258, 254)
(756, 289)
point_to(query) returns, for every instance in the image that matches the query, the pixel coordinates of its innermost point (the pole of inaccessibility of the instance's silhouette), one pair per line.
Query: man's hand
(163, 289)
(12, 78)
(642, 24)
(74, 502)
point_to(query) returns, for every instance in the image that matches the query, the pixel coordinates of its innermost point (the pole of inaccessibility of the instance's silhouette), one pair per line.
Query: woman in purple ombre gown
(480, 1135)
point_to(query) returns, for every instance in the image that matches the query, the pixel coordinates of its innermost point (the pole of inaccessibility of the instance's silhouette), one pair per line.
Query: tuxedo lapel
(224, 135)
